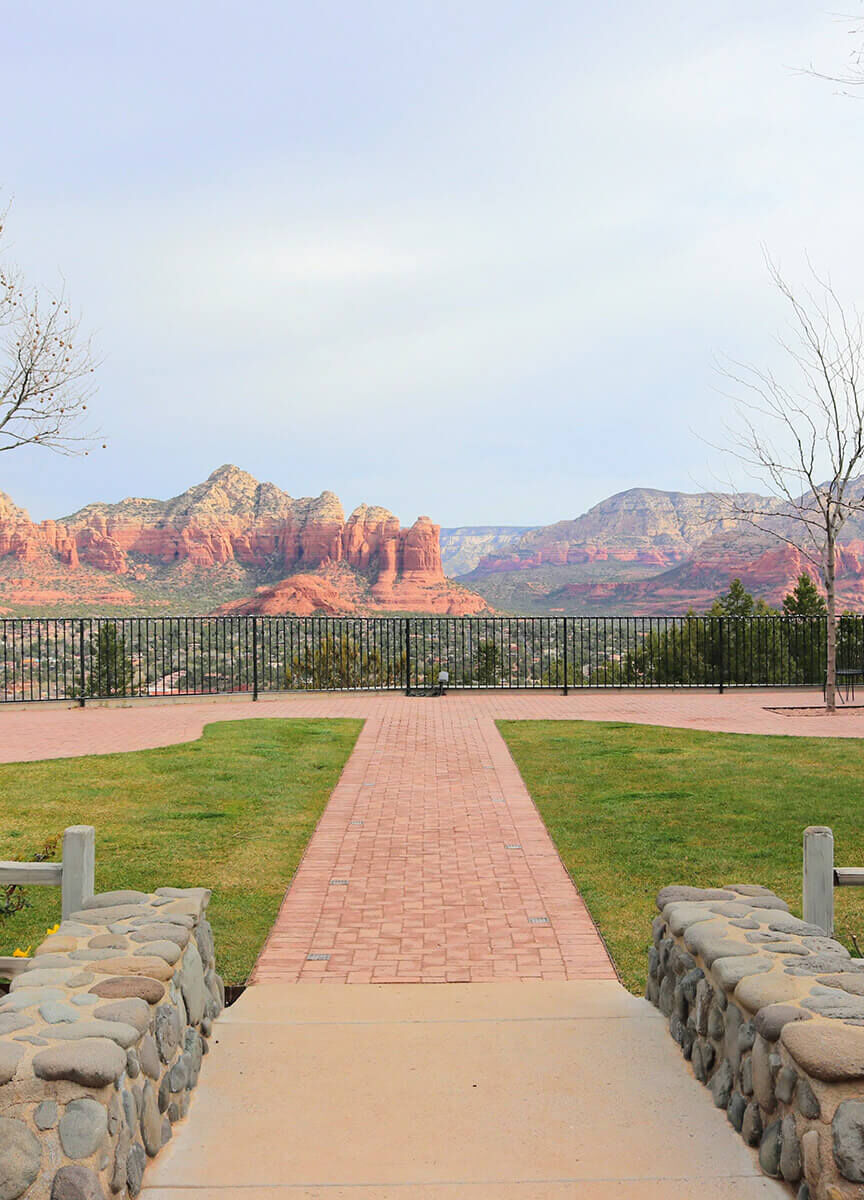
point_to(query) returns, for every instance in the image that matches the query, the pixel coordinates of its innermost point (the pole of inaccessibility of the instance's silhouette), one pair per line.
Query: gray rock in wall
(93, 1062)
(769, 1021)
(163, 1096)
(785, 1084)
(167, 1032)
(702, 1058)
(82, 1127)
(664, 1002)
(121, 1160)
(76, 1183)
(134, 1012)
(763, 1079)
(148, 1057)
(130, 1110)
(191, 978)
(206, 943)
(10, 1056)
(20, 1158)
(808, 1105)
(847, 1131)
(770, 1148)
(45, 1115)
(735, 1110)
(751, 1126)
(734, 1021)
(151, 1121)
(746, 1074)
(790, 1151)
(135, 1164)
(721, 1085)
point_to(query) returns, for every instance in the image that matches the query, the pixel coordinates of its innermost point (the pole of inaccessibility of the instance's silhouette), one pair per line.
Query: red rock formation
(336, 590)
(299, 596)
(232, 523)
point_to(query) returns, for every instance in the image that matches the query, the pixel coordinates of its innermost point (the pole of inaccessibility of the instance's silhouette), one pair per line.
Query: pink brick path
(451, 875)
(450, 872)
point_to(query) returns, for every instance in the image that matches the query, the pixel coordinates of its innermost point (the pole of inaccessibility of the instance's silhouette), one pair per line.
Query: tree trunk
(831, 658)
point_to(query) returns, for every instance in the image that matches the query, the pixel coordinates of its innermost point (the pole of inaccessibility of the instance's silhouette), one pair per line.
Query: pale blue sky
(471, 259)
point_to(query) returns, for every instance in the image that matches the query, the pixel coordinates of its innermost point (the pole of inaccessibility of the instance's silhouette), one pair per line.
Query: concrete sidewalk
(523, 1091)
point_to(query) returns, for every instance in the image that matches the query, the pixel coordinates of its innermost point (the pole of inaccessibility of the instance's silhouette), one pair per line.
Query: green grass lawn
(232, 812)
(635, 807)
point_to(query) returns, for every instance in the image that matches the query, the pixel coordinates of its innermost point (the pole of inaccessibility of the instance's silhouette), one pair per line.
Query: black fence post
(254, 658)
(407, 656)
(566, 659)
(722, 654)
(81, 662)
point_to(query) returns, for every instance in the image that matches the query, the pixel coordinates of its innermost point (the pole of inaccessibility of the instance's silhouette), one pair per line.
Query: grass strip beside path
(632, 808)
(232, 811)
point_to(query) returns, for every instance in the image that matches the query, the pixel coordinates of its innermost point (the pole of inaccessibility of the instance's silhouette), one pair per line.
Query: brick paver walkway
(430, 863)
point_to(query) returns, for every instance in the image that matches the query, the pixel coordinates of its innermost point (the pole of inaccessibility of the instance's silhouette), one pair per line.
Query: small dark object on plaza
(438, 689)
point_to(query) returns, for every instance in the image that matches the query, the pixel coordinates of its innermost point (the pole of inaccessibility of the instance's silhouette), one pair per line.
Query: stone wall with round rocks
(101, 1041)
(769, 1012)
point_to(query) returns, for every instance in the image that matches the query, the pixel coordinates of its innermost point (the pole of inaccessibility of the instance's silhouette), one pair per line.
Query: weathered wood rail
(821, 877)
(75, 876)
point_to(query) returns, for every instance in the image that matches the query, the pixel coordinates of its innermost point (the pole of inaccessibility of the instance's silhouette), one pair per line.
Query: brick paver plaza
(430, 863)
(534, 1075)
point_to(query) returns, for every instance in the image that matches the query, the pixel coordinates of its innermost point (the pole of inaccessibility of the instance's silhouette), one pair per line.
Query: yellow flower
(53, 929)
(19, 953)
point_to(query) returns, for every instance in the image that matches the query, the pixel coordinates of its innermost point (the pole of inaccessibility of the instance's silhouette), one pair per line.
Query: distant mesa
(232, 540)
(651, 552)
(234, 545)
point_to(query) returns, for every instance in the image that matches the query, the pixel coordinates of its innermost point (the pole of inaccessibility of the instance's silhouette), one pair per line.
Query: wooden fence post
(79, 867)
(819, 877)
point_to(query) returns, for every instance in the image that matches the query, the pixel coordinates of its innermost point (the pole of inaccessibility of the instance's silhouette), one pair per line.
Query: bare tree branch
(853, 75)
(46, 370)
(804, 440)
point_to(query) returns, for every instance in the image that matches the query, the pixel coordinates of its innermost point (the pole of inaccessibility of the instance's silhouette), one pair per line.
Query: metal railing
(97, 657)
(75, 876)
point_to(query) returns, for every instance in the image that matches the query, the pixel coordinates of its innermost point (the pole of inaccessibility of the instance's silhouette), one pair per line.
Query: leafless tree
(804, 440)
(46, 369)
(853, 74)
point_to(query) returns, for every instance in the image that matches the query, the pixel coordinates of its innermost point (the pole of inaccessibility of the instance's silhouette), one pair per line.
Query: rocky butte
(222, 539)
(646, 551)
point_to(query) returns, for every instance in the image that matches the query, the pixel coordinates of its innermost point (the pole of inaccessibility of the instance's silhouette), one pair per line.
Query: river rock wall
(769, 1011)
(101, 1041)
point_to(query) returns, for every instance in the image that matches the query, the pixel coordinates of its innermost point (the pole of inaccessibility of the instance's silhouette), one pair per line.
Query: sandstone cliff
(642, 525)
(223, 537)
(647, 551)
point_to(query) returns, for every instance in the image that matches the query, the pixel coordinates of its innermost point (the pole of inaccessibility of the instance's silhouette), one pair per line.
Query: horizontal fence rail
(101, 657)
(74, 875)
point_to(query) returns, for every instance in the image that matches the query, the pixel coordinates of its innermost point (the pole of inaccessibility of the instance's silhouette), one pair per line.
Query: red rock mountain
(648, 551)
(219, 540)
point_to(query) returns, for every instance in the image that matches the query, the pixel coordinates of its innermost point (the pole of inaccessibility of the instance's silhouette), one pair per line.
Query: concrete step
(529, 1091)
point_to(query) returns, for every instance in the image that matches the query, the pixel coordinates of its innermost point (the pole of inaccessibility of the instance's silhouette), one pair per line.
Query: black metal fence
(75, 659)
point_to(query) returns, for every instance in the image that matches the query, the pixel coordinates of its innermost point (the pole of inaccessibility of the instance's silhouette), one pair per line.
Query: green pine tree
(737, 602)
(805, 599)
(111, 669)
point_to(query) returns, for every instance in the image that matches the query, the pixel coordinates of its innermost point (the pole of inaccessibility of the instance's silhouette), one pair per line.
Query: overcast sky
(473, 259)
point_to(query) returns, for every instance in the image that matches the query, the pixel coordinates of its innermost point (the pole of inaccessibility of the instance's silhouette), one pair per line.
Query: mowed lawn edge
(232, 811)
(632, 808)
